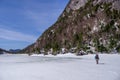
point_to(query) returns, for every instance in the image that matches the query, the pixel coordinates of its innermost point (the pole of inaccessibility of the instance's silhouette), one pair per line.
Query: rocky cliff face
(87, 25)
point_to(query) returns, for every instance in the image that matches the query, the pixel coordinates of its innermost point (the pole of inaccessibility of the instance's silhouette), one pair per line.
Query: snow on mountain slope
(23, 67)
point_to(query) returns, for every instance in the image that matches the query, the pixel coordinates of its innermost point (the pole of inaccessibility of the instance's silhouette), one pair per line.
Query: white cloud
(17, 36)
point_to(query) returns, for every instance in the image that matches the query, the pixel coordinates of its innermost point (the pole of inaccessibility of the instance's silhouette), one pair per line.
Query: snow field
(61, 67)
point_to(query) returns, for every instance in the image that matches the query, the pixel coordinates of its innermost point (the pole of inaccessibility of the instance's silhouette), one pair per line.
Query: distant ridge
(2, 51)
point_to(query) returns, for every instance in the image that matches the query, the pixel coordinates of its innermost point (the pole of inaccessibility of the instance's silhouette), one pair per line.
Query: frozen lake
(70, 67)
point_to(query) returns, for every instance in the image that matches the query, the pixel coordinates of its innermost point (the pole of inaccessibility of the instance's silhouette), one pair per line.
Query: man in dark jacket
(97, 58)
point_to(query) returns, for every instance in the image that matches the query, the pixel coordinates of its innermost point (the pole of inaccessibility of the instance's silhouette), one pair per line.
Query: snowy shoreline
(60, 67)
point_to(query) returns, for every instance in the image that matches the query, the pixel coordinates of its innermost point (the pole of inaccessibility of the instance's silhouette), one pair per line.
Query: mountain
(14, 50)
(88, 25)
(2, 51)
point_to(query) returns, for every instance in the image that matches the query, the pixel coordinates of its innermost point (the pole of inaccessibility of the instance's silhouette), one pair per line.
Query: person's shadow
(101, 63)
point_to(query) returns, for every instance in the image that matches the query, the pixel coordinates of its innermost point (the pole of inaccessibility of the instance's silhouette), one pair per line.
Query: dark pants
(97, 61)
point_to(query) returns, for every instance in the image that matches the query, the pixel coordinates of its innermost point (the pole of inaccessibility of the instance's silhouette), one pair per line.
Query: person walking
(97, 58)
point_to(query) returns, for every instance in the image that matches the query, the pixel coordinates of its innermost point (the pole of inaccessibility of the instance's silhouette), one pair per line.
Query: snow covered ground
(61, 67)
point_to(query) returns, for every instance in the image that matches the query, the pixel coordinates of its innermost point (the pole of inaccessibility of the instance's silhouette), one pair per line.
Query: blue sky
(23, 21)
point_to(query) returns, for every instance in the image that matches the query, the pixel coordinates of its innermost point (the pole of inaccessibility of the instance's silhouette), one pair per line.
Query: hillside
(88, 25)
(2, 51)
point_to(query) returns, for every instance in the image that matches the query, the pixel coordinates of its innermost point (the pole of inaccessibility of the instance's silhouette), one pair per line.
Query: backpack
(96, 57)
